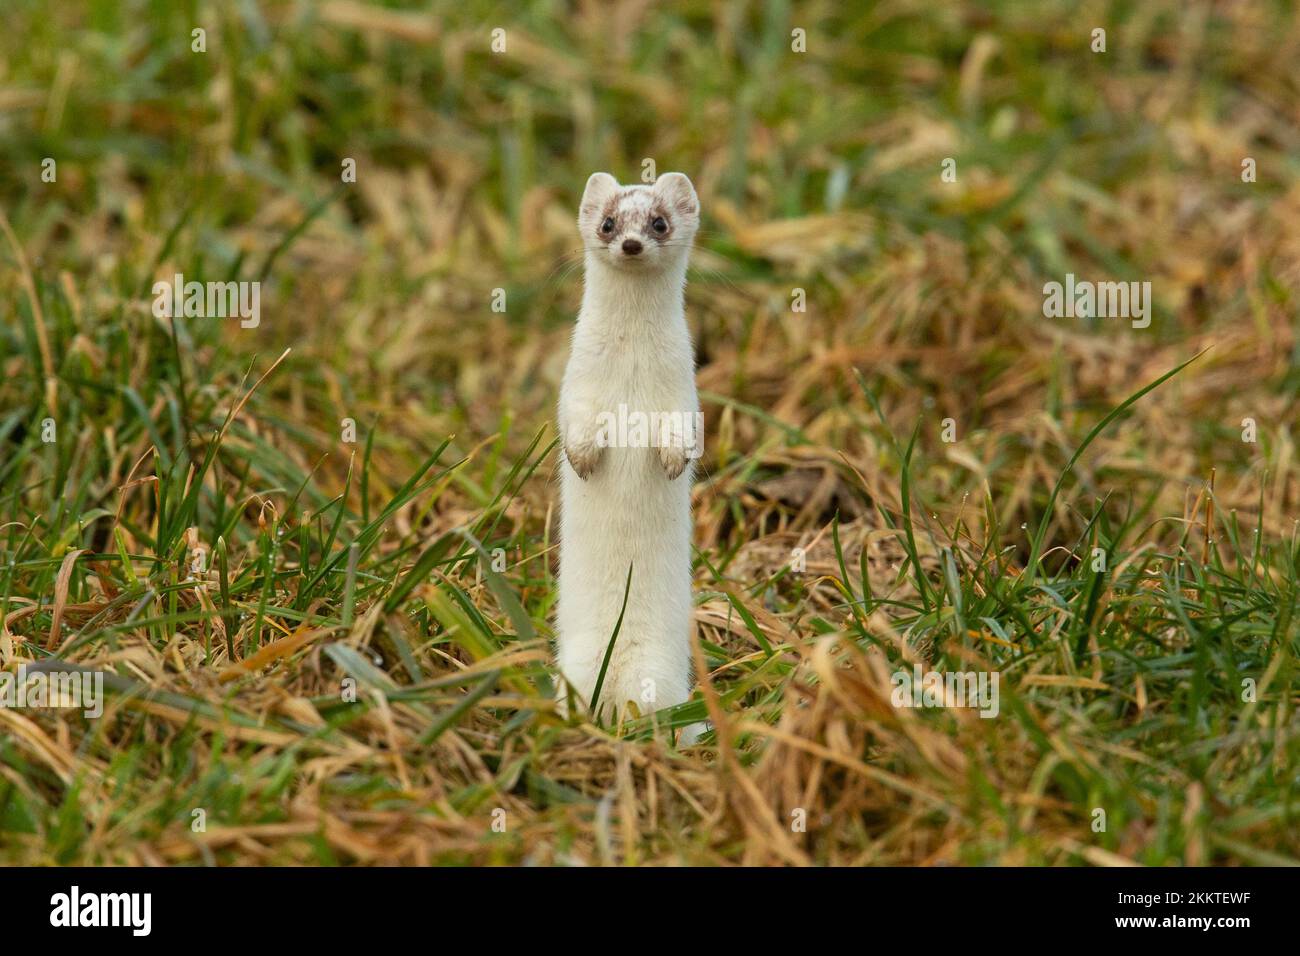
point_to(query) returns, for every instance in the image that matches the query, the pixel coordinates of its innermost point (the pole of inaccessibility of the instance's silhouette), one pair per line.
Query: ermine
(630, 424)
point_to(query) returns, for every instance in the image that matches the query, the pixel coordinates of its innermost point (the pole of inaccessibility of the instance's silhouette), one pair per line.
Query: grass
(338, 650)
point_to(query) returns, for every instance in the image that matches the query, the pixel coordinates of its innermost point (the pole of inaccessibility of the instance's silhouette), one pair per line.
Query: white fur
(631, 345)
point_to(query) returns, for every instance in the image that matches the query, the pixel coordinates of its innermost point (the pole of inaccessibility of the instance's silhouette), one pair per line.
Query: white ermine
(630, 424)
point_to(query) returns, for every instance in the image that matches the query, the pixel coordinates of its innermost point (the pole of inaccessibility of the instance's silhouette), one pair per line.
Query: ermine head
(639, 228)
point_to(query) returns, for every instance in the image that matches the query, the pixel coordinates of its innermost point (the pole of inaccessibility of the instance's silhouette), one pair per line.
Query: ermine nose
(631, 246)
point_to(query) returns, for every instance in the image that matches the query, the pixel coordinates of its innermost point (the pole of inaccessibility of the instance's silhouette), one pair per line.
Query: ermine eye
(607, 227)
(660, 225)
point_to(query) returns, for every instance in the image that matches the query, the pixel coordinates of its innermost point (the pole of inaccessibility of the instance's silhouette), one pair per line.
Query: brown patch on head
(659, 210)
(605, 209)
(634, 210)
(610, 211)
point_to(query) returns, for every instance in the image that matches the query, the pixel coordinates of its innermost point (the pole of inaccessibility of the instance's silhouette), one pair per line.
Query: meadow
(314, 556)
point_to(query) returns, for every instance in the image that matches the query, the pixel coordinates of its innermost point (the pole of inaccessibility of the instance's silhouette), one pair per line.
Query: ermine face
(639, 228)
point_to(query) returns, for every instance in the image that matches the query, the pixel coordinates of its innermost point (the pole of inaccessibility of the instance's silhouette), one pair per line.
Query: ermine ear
(679, 192)
(600, 186)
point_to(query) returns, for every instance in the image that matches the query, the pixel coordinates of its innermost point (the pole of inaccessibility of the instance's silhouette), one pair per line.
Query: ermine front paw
(583, 457)
(674, 459)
